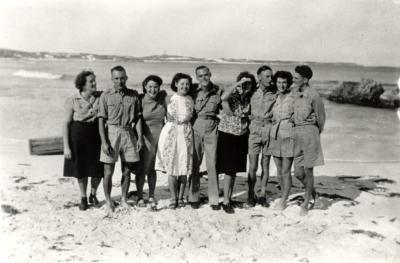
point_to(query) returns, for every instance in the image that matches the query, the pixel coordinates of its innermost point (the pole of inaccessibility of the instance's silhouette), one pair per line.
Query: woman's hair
(177, 78)
(283, 75)
(154, 78)
(305, 71)
(80, 80)
(246, 74)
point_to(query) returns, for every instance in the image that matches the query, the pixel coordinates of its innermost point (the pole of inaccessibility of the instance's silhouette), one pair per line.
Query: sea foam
(36, 74)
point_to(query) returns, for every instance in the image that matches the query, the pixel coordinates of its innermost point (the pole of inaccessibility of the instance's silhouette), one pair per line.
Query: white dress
(175, 145)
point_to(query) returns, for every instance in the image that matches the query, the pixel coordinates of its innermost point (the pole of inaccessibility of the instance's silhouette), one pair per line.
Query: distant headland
(44, 55)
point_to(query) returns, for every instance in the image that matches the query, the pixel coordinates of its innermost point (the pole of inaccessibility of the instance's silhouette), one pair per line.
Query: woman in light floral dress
(175, 145)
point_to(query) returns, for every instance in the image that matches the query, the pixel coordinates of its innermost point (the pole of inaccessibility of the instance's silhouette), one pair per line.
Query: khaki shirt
(120, 108)
(206, 106)
(261, 104)
(207, 103)
(308, 108)
(82, 110)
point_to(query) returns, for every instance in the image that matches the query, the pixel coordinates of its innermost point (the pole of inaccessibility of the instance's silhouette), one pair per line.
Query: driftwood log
(46, 146)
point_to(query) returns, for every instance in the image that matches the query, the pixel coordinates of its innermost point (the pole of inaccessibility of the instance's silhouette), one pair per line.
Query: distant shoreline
(69, 56)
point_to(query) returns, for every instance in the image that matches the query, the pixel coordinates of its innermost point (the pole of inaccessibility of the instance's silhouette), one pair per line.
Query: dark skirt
(232, 153)
(85, 143)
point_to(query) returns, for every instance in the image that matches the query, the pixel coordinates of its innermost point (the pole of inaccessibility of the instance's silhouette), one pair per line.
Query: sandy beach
(356, 218)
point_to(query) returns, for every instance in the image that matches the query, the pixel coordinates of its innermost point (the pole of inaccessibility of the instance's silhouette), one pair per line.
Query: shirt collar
(212, 90)
(122, 91)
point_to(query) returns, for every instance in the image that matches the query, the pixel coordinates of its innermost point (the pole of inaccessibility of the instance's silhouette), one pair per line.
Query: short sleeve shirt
(207, 103)
(120, 108)
(261, 103)
(308, 108)
(81, 109)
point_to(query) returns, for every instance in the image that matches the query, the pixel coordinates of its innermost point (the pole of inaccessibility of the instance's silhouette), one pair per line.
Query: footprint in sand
(64, 180)
(19, 179)
(9, 209)
(25, 187)
(371, 234)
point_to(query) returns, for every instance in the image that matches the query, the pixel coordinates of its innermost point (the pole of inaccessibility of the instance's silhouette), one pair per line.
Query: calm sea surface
(33, 107)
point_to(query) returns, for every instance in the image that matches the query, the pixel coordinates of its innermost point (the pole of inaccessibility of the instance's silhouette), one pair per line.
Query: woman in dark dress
(153, 102)
(233, 133)
(81, 137)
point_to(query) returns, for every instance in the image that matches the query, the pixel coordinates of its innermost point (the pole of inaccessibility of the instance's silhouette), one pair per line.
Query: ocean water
(32, 95)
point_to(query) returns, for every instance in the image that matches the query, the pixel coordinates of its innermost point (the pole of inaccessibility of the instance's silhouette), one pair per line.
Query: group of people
(277, 115)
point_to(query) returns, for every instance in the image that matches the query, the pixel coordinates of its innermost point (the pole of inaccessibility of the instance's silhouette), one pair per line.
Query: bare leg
(173, 187)
(286, 164)
(265, 159)
(182, 186)
(139, 180)
(107, 185)
(233, 179)
(300, 174)
(252, 178)
(94, 182)
(125, 183)
(151, 180)
(82, 182)
(228, 186)
(309, 185)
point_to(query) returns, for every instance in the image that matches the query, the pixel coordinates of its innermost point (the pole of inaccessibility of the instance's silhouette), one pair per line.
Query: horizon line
(165, 54)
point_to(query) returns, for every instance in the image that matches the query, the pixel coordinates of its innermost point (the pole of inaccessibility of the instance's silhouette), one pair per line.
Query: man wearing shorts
(207, 102)
(119, 111)
(260, 125)
(309, 120)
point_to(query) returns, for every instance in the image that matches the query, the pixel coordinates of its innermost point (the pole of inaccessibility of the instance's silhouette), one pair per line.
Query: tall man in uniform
(309, 121)
(207, 100)
(261, 104)
(120, 111)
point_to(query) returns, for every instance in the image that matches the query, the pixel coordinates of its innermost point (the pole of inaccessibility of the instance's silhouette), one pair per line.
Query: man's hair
(283, 75)
(263, 68)
(80, 79)
(154, 78)
(202, 67)
(305, 71)
(118, 68)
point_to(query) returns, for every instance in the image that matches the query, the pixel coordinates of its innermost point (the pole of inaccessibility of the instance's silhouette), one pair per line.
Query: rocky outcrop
(367, 93)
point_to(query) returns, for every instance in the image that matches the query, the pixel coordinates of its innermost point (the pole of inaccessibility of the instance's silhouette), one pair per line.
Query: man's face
(265, 78)
(119, 79)
(299, 80)
(203, 77)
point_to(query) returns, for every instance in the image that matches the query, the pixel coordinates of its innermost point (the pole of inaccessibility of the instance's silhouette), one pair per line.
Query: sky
(365, 32)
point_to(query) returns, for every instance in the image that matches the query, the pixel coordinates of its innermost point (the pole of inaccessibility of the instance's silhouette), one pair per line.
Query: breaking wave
(36, 74)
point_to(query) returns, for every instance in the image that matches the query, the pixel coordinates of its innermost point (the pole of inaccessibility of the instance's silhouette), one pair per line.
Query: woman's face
(90, 84)
(282, 85)
(152, 89)
(183, 86)
(245, 87)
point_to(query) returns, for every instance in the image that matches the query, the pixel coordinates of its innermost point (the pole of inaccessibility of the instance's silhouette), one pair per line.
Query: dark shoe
(263, 202)
(173, 204)
(140, 203)
(84, 204)
(93, 200)
(251, 202)
(216, 207)
(195, 205)
(228, 208)
(181, 203)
